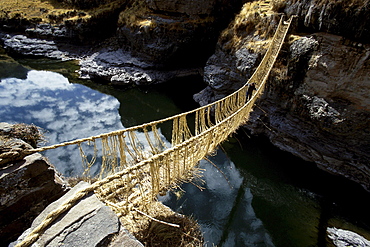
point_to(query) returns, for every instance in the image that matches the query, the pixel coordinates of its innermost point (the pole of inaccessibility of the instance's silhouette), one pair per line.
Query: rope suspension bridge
(134, 172)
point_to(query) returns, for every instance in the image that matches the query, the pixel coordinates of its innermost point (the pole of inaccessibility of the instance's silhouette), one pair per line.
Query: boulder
(88, 223)
(27, 186)
(20, 44)
(317, 107)
(343, 238)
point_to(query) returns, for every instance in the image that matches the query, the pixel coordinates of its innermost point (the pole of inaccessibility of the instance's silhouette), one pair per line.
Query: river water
(253, 194)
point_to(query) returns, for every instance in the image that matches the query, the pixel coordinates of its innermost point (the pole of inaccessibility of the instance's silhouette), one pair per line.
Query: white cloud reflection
(66, 111)
(224, 209)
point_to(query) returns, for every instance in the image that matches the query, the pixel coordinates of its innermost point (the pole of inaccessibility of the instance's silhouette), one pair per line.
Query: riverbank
(316, 105)
(31, 180)
(274, 181)
(155, 43)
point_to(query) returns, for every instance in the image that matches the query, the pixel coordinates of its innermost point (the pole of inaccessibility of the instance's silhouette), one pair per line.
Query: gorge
(316, 105)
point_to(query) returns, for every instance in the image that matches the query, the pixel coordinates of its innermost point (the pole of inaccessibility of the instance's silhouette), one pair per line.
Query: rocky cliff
(28, 183)
(122, 42)
(316, 105)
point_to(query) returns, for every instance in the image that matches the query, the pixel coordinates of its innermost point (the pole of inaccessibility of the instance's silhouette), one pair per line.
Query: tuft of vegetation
(58, 11)
(29, 133)
(88, 4)
(254, 20)
(139, 15)
(157, 233)
(278, 5)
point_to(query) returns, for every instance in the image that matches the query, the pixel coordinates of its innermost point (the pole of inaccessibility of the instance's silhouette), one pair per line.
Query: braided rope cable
(182, 157)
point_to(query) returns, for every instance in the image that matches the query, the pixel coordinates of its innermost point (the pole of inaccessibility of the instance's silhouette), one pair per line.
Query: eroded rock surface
(322, 112)
(343, 238)
(316, 104)
(88, 223)
(27, 186)
(28, 183)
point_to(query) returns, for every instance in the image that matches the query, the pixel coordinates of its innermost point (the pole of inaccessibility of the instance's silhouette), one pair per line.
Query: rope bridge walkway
(134, 171)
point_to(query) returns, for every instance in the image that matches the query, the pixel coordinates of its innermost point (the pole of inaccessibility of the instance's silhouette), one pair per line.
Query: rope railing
(133, 172)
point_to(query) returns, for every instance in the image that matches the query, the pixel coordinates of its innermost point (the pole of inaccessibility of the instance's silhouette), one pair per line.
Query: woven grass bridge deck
(132, 171)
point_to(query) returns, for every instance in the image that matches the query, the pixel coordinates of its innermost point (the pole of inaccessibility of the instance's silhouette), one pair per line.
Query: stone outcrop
(28, 183)
(88, 223)
(173, 33)
(27, 186)
(316, 104)
(153, 41)
(21, 44)
(121, 68)
(319, 110)
(30, 188)
(68, 20)
(345, 18)
(342, 238)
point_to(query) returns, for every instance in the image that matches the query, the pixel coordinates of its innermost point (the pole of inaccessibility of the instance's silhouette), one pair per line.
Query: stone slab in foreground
(89, 223)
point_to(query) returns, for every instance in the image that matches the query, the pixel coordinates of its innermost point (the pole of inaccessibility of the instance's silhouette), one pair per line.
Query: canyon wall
(316, 104)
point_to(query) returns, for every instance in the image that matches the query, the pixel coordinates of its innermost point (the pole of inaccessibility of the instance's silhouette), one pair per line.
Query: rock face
(88, 223)
(173, 33)
(342, 238)
(28, 183)
(316, 104)
(322, 112)
(21, 44)
(154, 41)
(27, 186)
(345, 18)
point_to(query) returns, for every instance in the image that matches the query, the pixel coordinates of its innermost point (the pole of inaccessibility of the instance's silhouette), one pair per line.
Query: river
(253, 194)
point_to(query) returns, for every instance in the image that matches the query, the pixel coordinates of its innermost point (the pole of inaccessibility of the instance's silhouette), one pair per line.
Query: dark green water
(254, 194)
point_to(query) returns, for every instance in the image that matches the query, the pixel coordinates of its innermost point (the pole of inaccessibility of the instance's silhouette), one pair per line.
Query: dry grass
(29, 133)
(278, 5)
(135, 15)
(253, 21)
(52, 11)
(138, 15)
(33, 9)
(152, 233)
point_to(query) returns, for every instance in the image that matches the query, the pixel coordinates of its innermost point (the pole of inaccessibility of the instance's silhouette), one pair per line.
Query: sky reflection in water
(224, 208)
(254, 201)
(66, 111)
(70, 111)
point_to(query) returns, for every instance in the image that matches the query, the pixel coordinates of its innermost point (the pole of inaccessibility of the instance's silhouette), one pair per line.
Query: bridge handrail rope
(131, 178)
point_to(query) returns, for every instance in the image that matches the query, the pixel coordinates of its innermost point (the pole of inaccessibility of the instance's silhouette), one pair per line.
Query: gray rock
(342, 18)
(225, 73)
(120, 68)
(316, 103)
(27, 186)
(302, 46)
(125, 239)
(88, 223)
(343, 238)
(48, 30)
(33, 47)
